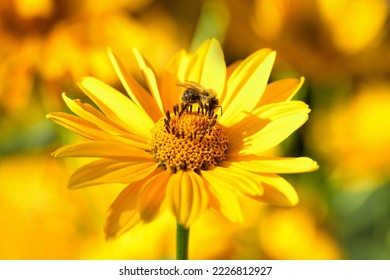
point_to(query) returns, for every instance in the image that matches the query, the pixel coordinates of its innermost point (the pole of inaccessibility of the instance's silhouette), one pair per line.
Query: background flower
(346, 86)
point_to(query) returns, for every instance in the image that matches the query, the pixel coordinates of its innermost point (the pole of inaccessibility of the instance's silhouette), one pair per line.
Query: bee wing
(182, 85)
(192, 85)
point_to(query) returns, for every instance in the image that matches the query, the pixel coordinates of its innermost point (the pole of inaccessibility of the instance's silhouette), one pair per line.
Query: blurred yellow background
(341, 47)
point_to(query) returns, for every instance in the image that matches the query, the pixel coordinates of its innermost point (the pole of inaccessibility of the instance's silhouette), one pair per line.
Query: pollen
(191, 141)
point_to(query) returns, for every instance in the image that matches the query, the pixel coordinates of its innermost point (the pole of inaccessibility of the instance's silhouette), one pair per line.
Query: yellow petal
(229, 71)
(232, 67)
(207, 67)
(117, 107)
(102, 149)
(282, 90)
(284, 165)
(277, 110)
(110, 171)
(87, 112)
(267, 127)
(246, 85)
(150, 79)
(136, 92)
(90, 131)
(187, 196)
(277, 191)
(77, 124)
(274, 133)
(174, 74)
(234, 179)
(224, 201)
(152, 195)
(123, 214)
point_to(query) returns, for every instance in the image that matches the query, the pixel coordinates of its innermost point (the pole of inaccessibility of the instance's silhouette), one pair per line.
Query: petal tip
(315, 166)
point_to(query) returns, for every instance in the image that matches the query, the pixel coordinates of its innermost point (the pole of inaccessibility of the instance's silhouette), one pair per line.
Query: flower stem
(182, 235)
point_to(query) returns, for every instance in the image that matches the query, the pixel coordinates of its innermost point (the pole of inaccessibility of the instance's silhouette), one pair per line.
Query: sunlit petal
(136, 92)
(225, 201)
(279, 91)
(122, 214)
(229, 71)
(246, 85)
(207, 67)
(117, 107)
(102, 149)
(279, 165)
(152, 195)
(90, 131)
(110, 171)
(88, 113)
(267, 127)
(150, 79)
(174, 74)
(188, 197)
(234, 179)
(277, 191)
(77, 125)
(274, 133)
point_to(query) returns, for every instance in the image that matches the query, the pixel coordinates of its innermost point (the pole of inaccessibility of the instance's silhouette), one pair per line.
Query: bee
(195, 93)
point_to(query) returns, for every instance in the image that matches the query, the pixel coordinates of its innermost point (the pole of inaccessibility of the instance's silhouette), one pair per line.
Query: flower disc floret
(190, 142)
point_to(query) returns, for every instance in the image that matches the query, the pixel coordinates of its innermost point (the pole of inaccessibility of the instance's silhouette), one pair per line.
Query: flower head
(196, 141)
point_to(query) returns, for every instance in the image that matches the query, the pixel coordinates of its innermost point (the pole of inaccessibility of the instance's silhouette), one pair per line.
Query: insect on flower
(195, 93)
(192, 160)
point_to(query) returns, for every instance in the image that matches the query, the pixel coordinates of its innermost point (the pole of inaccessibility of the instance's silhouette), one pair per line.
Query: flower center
(189, 141)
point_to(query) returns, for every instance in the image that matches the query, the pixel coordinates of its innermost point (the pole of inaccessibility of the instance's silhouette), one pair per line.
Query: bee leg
(201, 107)
(176, 109)
(168, 115)
(183, 108)
(167, 126)
(210, 113)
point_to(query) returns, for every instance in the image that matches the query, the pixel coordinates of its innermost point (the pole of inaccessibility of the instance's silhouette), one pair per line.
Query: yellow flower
(295, 235)
(358, 134)
(192, 160)
(334, 37)
(345, 26)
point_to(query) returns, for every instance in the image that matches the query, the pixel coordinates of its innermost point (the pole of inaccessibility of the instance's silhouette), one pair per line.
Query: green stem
(182, 235)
